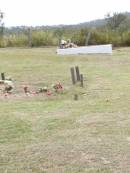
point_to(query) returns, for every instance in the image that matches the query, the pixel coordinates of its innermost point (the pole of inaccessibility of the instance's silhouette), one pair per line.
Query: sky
(54, 12)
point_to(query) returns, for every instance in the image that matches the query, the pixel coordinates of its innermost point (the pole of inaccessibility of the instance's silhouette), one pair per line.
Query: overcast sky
(51, 12)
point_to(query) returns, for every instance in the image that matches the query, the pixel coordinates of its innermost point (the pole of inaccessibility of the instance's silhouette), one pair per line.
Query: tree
(1, 24)
(114, 22)
(59, 34)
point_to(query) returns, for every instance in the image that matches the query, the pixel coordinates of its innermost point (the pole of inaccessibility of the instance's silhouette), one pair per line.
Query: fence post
(29, 37)
(88, 38)
(2, 76)
(75, 97)
(82, 80)
(72, 75)
(77, 73)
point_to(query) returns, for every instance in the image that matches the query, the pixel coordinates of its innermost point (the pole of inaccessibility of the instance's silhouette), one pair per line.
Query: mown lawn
(57, 134)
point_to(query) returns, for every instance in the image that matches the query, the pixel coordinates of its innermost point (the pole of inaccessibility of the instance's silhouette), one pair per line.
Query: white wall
(105, 49)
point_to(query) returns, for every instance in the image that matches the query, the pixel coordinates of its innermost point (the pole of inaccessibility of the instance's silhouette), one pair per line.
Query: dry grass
(57, 134)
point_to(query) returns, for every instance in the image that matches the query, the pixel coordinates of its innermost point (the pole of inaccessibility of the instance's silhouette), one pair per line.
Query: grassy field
(58, 134)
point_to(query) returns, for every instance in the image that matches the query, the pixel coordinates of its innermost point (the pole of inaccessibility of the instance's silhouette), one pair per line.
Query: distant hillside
(96, 23)
(93, 23)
